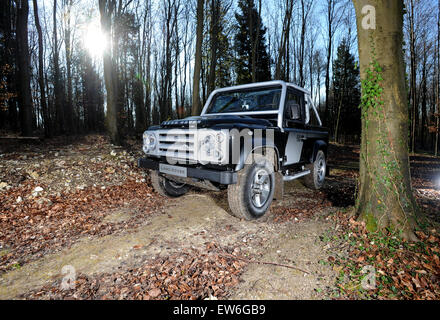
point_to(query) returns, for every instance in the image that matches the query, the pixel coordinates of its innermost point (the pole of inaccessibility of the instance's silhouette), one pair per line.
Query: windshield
(246, 101)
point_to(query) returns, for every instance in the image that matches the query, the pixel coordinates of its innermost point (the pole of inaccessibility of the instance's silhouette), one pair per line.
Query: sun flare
(94, 40)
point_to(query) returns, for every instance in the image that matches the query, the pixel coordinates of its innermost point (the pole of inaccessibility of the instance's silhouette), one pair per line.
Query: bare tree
(43, 100)
(281, 68)
(413, 75)
(23, 68)
(196, 103)
(58, 89)
(306, 7)
(67, 5)
(107, 9)
(334, 16)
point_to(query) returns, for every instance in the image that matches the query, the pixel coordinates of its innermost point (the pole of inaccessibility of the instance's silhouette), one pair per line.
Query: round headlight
(149, 142)
(220, 137)
(152, 141)
(209, 140)
(207, 144)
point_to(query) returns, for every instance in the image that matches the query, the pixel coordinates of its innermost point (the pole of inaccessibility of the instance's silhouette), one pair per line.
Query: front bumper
(222, 177)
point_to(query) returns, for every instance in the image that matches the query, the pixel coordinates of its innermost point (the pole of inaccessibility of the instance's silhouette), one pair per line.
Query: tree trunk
(437, 121)
(424, 96)
(330, 8)
(255, 41)
(43, 101)
(23, 69)
(385, 197)
(68, 46)
(214, 33)
(413, 80)
(196, 103)
(304, 21)
(280, 69)
(58, 90)
(106, 9)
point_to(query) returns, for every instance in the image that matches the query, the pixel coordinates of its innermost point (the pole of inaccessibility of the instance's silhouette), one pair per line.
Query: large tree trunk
(23, 66)
(437, 122)
(46, 119)
(385, 197)
(107, 9)
(196, 103)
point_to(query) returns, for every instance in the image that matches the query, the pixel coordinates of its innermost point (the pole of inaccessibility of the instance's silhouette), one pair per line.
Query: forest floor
(79, 220)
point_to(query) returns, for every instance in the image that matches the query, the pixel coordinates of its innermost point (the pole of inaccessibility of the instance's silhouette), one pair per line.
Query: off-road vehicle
(248, 139)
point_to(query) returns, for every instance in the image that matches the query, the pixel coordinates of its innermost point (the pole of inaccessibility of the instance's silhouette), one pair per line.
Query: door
(294, 125)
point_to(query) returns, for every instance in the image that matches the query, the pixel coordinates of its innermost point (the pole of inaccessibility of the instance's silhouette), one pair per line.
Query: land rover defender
(249, 139)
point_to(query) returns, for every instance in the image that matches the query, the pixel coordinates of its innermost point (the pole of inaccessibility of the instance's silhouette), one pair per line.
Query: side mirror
(293, 112)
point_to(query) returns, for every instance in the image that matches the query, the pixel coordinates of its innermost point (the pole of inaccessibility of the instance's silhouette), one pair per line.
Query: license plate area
(173, 170)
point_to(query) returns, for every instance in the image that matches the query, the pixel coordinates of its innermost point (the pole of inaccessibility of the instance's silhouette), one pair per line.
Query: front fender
(256, 144)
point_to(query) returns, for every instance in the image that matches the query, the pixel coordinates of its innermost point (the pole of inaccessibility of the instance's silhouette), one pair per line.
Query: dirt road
(191, 222)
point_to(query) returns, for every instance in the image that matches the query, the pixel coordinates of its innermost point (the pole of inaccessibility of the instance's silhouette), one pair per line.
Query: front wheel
(315, 180)
(166, 187)
(251, 197)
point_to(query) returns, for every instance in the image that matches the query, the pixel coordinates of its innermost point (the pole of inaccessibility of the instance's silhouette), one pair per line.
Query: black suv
(248, 139)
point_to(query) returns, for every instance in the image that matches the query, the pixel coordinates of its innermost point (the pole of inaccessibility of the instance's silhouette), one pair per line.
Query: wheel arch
(263, 145)
(318, 145)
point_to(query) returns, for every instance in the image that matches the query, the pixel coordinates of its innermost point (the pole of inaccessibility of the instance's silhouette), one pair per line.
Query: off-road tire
(315, 180)
(240, 194)
(165, 188)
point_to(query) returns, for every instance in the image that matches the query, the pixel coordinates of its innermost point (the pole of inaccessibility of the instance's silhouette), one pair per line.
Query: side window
(293, 109)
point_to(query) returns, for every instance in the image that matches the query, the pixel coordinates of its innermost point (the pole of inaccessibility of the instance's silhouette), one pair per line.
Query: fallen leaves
(187, 275)
(35, 226)
(303, 209)
(403, 270)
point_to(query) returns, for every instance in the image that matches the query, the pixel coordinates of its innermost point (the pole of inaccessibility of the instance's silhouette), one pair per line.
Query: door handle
(301, 137)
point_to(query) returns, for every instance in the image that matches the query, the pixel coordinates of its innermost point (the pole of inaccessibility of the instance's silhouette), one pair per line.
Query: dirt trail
(192, 221)
(300, 246)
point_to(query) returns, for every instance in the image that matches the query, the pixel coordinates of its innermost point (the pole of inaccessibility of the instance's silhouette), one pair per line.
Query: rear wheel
(315, 180)
(167, 187)
(252, 196)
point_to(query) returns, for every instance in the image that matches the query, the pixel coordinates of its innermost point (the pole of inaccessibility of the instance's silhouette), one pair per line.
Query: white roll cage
(284, 85)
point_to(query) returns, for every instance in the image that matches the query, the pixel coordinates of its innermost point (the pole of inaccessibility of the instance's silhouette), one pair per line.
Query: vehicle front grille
(177, 145)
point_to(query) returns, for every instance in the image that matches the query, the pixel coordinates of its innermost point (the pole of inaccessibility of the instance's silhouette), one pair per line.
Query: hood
(220, 121)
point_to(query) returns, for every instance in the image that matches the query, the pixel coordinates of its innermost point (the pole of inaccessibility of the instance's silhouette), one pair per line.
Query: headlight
(150, 142)
(220, 137)
(207, 145)
(211, 147)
